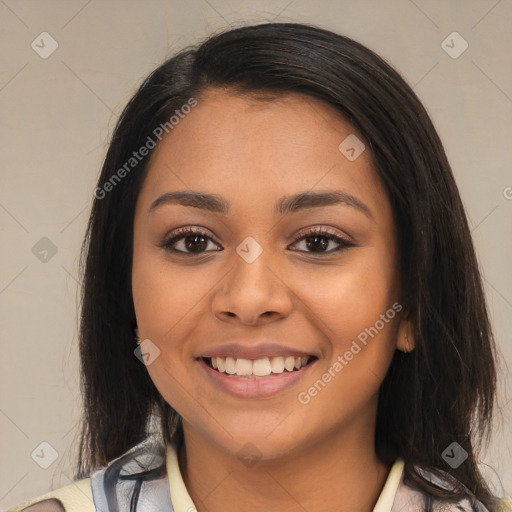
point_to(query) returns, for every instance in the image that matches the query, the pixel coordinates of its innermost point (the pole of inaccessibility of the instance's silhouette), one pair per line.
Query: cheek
(165, 295)
(352, 296)
(167, 302)
(347, 306)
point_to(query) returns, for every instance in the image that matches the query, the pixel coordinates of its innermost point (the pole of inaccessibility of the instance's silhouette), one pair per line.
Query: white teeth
(243, 367)
(230, 365)
(259, 367)
(277, 364)
(289, 363)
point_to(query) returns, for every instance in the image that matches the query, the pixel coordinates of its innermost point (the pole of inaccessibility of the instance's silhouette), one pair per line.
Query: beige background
(58, 112)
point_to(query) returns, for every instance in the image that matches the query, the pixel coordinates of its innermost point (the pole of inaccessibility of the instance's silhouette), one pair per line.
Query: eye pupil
(193, 246)
(316, 238)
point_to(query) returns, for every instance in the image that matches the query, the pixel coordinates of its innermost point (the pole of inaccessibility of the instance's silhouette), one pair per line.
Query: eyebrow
(286, 204)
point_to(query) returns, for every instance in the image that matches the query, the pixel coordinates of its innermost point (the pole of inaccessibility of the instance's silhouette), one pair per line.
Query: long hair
(441, 392)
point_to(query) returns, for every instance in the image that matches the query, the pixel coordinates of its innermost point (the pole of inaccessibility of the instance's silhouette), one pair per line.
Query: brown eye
(318, 240)
(188, 241)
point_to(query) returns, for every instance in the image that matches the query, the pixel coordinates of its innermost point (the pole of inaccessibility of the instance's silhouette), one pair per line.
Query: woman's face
(255, 282)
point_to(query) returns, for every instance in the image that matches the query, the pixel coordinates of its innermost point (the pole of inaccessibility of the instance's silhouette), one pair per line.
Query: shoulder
(409, 499)
(75, 497)
(140, 472)
(138, 476)
(505, 505)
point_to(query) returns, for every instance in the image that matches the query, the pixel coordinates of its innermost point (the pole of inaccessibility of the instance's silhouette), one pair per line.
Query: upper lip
(238, 351)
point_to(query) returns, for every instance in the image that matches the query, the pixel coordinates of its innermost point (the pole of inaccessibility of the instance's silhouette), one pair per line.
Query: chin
(255, 445)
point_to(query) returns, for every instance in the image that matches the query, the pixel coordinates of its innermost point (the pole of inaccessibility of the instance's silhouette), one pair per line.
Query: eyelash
(167, 244)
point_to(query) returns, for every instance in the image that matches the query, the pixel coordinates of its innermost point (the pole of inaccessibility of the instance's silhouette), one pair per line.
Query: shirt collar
(180, 498)
(182, 502)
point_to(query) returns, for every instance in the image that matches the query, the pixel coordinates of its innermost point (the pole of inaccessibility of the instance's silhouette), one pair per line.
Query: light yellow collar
(388, 493)
(181, 501)
(180, 498)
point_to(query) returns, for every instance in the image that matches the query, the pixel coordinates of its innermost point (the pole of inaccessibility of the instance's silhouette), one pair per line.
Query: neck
(340, 472)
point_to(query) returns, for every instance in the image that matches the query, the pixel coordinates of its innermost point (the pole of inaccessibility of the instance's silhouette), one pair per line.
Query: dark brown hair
(441, 392)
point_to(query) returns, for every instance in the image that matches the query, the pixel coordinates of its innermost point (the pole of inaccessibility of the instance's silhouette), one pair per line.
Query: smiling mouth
(258, 368)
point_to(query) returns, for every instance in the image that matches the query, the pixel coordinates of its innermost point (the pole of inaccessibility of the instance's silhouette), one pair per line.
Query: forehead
(231, 143)
(275, 122)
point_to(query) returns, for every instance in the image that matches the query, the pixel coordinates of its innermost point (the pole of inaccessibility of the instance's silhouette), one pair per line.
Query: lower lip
(254, 388)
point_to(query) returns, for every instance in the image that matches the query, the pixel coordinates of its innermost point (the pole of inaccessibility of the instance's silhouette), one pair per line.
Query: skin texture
(251, 153)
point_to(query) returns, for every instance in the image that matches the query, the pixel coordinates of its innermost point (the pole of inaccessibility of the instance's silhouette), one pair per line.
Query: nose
(253, 293)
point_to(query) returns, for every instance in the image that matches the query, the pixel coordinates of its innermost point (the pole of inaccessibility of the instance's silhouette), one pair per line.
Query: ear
(405, 337)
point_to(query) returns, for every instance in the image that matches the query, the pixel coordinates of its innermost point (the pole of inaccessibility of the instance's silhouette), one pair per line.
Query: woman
(282, 307)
